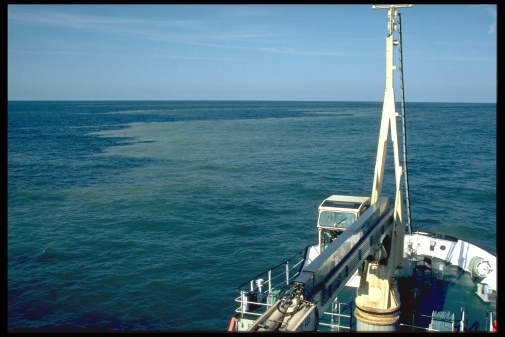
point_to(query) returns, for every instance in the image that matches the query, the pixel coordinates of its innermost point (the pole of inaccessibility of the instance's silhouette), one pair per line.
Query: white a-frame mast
(377, 298)
(388, 123)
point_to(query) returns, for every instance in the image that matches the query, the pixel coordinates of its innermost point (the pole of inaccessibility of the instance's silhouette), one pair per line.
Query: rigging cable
(404, 128)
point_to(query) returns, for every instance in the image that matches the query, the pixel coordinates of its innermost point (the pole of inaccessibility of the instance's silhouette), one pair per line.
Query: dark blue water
(146, 215)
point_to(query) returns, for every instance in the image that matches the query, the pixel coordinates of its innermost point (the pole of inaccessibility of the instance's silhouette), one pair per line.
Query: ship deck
(423, 296)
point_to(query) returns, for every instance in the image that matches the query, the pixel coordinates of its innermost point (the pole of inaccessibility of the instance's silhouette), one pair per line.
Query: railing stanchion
(270, 281)
(287, 273)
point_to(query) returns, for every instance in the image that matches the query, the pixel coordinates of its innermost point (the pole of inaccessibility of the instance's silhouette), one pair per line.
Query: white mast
(378, 299)
(388, 123)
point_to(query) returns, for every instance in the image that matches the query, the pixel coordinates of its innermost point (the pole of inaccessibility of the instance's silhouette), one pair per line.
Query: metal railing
(440, 321)
(260, 293)
(264, 289)
(335, 320)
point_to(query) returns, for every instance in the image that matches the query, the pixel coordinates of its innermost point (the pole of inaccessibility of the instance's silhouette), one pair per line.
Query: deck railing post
(243, 302)
(339, 316)
(270, 281)
(287, 273)
(463, 318)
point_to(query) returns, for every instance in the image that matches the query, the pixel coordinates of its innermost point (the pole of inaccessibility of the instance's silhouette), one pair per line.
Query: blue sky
(247, 52)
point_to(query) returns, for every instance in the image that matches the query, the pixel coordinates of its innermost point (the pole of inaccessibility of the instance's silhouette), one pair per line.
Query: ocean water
(146, 215)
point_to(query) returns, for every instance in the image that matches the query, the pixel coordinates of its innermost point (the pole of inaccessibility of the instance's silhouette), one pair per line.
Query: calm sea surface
(146, 215)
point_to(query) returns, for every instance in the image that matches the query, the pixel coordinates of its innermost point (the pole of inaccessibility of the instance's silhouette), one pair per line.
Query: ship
(370, 271)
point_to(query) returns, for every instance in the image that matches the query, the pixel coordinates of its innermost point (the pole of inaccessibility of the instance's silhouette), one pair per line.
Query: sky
(248, 52)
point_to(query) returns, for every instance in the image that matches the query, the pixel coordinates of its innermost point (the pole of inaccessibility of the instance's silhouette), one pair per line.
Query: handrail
(301, 252)
(337, 312)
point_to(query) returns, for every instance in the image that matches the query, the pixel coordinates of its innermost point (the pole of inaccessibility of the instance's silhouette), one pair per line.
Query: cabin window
(336, 219)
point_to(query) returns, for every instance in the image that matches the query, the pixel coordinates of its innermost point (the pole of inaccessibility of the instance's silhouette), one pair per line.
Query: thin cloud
(492, 27)
(246, 11)
(205, 32)
(107, 24)
(64, 20)
(491, 9)
(181, 31)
